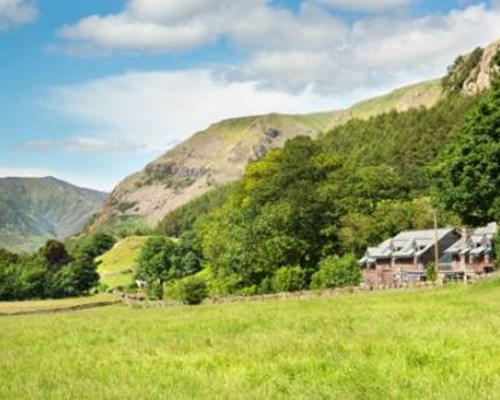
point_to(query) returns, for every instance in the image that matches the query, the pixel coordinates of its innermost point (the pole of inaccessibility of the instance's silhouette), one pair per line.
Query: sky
(92, 90)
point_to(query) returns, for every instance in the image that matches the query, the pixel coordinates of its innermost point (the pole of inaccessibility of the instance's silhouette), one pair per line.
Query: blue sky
(91, 90)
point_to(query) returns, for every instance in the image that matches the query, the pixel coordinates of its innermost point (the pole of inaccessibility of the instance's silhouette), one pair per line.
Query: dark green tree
(96, 245)
(76, 278)
(155, 263)
(467, 176)
(54, 254)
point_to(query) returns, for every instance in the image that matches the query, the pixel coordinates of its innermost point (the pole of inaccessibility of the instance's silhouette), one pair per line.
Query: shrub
(155, 290)
(191, 290)
(248, 291)
(430, 272)
(496, 244)
(266, 286)
(289, 279)
(225, 286)
(337, 272)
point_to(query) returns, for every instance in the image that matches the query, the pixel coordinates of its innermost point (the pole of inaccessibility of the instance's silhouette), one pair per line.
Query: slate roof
(478, 242)
(407, 244)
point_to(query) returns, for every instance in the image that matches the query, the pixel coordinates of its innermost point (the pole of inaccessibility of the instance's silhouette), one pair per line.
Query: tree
(7, 258)
(467, 175)
(75, 279)
(54, 254)
(97, 245)
(155, 264)
(188, 256)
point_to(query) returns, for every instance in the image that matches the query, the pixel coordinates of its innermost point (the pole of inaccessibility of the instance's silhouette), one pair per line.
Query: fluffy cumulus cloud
(151, 111)
(167, 25)
(16, 12)
(379, 52)
(291, 51)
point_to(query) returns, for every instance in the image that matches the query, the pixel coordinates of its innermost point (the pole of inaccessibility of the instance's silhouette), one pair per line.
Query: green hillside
(33, 210)
(430, 344)
(117, 266)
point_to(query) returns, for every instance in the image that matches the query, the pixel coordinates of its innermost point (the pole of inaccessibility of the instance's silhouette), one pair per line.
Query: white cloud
(81, 144)
(289, 52)
(325, 66)
(379, 52)
(155, 109)
(365, 5)
(16, 12)
(167, 26)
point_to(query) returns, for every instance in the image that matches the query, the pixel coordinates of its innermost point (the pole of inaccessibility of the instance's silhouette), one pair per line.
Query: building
(404, 257)
(473, 254)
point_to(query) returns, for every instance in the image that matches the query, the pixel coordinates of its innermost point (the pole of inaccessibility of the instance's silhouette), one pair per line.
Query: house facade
(473, 254)
(404, 257)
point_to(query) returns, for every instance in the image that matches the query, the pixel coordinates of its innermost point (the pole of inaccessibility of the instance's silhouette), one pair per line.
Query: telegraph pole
(436, 246)
(463, 256)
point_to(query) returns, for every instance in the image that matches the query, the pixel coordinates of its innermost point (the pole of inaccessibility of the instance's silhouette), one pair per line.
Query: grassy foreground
(431, 344)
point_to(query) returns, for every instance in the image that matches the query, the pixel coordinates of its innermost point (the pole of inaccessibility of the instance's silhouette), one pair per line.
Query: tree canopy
(467, 176)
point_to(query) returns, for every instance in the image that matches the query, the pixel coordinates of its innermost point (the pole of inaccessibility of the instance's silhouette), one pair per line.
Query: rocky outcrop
(480, 78)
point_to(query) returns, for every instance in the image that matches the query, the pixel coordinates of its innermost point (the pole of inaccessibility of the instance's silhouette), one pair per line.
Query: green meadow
(117, 266)
(428, 344)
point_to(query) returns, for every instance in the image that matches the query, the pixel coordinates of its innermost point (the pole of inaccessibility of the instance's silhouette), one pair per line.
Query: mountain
(219, 154)
(33, 210)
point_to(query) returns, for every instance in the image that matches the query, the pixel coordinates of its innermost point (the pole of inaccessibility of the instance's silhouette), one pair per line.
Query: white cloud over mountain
(154, 110)
(16, 12)
(295, 62)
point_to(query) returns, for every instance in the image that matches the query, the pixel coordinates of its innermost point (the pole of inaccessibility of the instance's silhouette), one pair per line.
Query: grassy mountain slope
(33, 210)
(220, 153)
(117, 266)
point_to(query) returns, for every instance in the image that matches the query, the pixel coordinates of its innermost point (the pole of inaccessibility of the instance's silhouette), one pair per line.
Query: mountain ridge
(219, 154)
(33, 210)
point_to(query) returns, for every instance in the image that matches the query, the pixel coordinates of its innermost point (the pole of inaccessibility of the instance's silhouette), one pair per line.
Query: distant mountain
(33, 210)
(219, 154)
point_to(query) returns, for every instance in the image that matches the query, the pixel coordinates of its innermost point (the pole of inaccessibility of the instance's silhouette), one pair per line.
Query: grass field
(14, 307)
(430, 344)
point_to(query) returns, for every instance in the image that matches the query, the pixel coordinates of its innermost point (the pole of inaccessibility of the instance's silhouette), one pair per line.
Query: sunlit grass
(430, 344)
